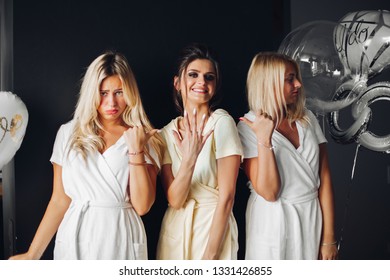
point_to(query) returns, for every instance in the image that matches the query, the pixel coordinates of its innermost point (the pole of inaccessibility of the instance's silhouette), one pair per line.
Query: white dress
(100, 222)
(290, 227)
(185, 232)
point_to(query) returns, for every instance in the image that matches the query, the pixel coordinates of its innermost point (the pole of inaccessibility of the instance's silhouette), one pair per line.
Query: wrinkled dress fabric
(290, 227)
(100, 222)
(185, 232)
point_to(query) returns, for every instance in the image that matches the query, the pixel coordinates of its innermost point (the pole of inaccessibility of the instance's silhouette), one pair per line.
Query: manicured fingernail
(241, 118)
(185, 113)
(203, 117)
(194, 112)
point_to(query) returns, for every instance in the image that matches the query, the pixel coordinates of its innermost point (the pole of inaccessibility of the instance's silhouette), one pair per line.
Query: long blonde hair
(86, 134)
(265, 88)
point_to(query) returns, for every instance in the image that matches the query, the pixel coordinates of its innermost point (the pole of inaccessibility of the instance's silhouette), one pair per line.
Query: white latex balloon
(13, 124)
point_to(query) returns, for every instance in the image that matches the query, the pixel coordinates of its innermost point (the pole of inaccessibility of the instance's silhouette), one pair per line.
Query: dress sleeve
(59, 146)
(248, 140)
(166, 157)
(227, 141)
(154, 155)
(316, 128)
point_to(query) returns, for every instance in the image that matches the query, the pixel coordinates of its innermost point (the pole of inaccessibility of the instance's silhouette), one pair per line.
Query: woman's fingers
(261, 113)
(201, 126)
(245, 120)
(193, 123)
(151, 132)
(186, 123)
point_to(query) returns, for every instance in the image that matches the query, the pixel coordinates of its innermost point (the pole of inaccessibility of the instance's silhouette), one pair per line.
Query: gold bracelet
(135, 153)
(138, 163)
(329, 244)
(268, 147)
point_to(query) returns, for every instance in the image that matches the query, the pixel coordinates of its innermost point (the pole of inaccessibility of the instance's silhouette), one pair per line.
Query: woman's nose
(298, 83)
(201, 80)
(112, 99)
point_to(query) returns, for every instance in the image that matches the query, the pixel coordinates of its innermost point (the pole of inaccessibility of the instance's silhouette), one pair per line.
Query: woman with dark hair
(105, 163)
(200, 166)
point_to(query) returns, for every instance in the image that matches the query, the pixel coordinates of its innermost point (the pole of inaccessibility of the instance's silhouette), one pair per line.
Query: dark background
(54, 42)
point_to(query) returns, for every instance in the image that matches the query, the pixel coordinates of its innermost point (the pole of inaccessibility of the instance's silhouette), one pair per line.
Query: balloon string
(348, 199)
(354, 162)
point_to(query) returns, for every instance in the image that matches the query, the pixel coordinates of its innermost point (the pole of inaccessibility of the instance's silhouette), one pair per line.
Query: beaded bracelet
(329, 244)
(137, 163)
(135, 153)
(268, 147)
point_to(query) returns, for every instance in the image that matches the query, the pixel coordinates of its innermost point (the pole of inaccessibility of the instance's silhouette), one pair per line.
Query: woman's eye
(119, 93)
(209, 78)
(193, 74)
(290, 79)
(103, 93)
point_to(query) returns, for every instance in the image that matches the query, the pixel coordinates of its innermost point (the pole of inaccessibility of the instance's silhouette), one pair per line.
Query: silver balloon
(324, 72)
(361, 112)
(367, 29)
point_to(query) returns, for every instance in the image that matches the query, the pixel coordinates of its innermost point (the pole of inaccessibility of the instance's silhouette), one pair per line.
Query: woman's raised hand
(136, 138)
(192, 141)
(263, 126)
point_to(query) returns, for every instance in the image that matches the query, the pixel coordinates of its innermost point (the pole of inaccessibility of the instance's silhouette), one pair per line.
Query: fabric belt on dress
(84, 205)
(301, 199)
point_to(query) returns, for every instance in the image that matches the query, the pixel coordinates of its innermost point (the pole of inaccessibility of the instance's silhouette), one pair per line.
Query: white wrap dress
(290, 227)
(184, 233)
(100, 222)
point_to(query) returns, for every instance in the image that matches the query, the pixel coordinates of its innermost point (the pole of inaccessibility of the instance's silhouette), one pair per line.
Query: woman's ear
(176, 83)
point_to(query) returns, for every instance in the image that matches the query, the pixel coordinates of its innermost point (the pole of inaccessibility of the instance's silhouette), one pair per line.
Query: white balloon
(13, 124)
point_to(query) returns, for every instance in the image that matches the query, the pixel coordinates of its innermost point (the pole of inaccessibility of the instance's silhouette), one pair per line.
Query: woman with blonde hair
(290, 211)
(105, 162)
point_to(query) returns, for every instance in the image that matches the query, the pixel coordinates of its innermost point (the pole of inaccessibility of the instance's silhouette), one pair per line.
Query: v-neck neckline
(111, 147)
(299, 130)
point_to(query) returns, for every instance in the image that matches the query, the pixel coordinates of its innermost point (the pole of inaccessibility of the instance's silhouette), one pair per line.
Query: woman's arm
(263, 171)
(177, 189)
(51, 220)
(328, 249)
(190, 145)
(227, 179)
(142, 186)
(142, 176)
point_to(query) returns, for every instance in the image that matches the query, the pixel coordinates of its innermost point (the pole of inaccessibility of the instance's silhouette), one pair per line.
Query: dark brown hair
(187, 55)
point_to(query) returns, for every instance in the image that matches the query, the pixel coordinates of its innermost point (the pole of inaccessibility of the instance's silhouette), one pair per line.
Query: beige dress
(185, 232)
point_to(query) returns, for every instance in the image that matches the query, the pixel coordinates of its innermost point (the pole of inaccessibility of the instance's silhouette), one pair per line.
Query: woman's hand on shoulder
(263, 126)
